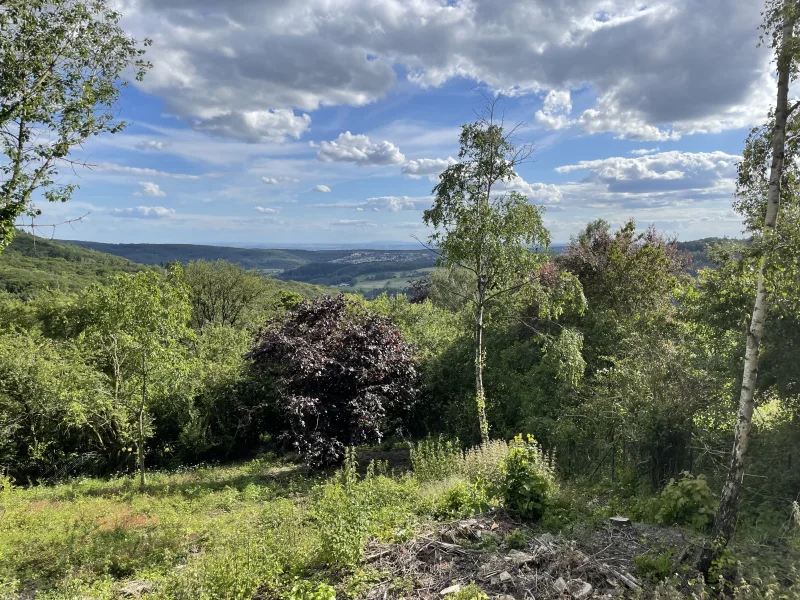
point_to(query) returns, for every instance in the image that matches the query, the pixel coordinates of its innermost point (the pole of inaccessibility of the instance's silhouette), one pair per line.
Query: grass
(265, 528)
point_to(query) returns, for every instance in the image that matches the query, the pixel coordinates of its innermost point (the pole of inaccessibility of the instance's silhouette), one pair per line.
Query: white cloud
(150, 189)
(360, 150)
(267, 210)
(662, 171)
(144, 212)
(432, 167)
(151, 145)
(383, 204)
(278, 180)
(322, 188)
(644, 151)
(225, 65)
(556, 110)
(257, 125)
(353, 223)
(115, 168)
(539, 192)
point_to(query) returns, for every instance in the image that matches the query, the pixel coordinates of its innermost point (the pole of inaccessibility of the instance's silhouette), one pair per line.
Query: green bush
(311, 590)
(687, 501)
(462, 499)
(654, 568)
(470, 592)
(529, 480)
(349, 511)
(435, 459)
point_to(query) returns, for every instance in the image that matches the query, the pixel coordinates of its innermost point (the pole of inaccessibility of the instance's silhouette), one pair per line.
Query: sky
(285, 122)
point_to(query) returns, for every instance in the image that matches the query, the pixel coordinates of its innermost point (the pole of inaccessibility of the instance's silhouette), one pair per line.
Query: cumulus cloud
(661, 171)
(267, 210)
(430, 167)
(360, 150)
(115, 168)
(256, 125)
(644, 151)
(152, 145)
(144, 212)
(556, 110)
(150, 189)
(210, 66)
(322, 188)
(538, 192)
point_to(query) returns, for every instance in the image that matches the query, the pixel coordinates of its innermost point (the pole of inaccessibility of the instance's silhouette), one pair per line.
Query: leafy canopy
(61, 67)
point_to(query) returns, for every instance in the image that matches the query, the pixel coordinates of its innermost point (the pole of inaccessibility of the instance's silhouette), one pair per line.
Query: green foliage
(31, 266)
(687, 501)
(461, 499)
(348, 510)
(515, 540)
(435, 459)
(311, 590)
(654, 567)
(44, 116)
(529, 481)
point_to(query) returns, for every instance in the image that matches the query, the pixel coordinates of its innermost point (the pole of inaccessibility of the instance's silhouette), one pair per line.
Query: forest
(618, 419)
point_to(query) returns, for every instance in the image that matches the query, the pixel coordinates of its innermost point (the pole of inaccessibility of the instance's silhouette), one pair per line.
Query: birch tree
(485, 228)
(760, 198)
(62, 65)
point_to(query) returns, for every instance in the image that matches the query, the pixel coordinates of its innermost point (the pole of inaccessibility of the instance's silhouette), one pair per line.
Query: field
(267, 528)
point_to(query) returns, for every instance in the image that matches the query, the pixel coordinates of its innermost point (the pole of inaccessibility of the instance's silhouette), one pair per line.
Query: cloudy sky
(327, 121)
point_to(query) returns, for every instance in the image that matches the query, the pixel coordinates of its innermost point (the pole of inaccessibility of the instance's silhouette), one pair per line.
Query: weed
(529, 478)
(654, 568)
(515, 540)
(687, 501)
(470, 592)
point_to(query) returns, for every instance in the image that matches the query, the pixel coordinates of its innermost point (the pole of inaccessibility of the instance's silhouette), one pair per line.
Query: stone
(560, 585)
(620, 521)
(505, 577)
(579, 589)
(520, 558)
(136, 588)
(453, 589)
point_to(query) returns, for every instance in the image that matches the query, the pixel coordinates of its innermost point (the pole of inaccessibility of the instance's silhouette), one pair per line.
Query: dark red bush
(344, 373)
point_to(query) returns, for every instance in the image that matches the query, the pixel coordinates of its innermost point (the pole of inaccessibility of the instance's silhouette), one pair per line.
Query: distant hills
(31, 264)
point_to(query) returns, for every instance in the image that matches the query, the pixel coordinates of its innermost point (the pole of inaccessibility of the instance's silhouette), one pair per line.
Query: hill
(32, 264)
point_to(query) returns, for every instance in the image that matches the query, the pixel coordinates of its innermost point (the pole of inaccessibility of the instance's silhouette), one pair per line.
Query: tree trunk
(480, 397)
(140, 445)
(725, 520)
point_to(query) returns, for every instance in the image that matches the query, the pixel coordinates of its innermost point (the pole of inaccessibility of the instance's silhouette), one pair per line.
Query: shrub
(462, 499)
(348, 511)
(529, 479)
(515, 540)
(311, 590)
(485, 463)
(343, 372)
(435, 459)
(654, 568)
(687, 501)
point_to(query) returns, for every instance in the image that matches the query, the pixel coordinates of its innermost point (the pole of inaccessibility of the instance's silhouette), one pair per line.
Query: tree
(484, 228)
(137, 328)
(780, 24)
(342, 372)
(222, 292)
(61, 66)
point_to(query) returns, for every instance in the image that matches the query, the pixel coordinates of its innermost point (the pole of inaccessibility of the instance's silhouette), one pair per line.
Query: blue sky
(286, 122)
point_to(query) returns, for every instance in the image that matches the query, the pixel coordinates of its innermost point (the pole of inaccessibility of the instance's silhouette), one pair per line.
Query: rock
(520, 558)
(620, 521)
(579, 589)
(505, 577)
(453, 589)
(506, 597)
(136, 588)
(560, 585)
